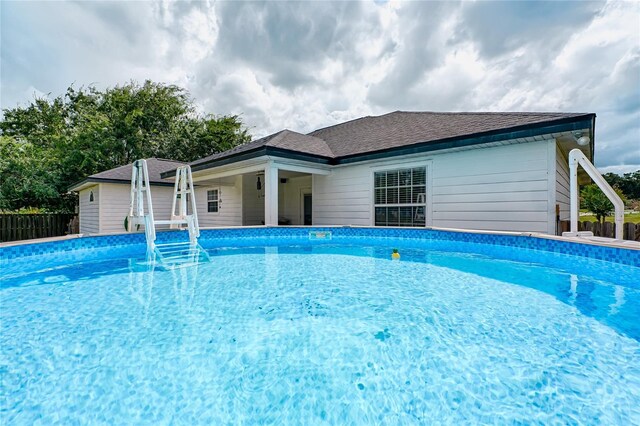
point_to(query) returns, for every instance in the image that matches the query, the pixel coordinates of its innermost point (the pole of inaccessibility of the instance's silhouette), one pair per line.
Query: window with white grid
(213, 200)
(400, 197)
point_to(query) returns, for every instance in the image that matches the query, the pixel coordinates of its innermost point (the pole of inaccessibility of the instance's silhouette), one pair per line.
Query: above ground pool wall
(392, 237)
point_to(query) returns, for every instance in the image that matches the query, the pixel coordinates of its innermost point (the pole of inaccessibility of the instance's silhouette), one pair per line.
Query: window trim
(219, 200)
(427, 164)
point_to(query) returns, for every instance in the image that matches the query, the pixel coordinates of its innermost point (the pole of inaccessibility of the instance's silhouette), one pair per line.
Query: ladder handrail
(139, 184)
(577, 158)
(147, 191)
(132, 197)
(194, 209)
(175, 191)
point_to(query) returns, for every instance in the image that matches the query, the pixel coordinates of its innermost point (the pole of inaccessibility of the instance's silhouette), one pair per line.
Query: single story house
(104, 197)
(485, 171)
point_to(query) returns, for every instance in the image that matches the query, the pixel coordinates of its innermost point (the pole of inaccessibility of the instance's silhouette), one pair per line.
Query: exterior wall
(111, 205)
(89, 211)
(252, 201)
(290, 204)
(499, 188)
(344, 197)
(230, 205)
(114, 205)
(562, 185)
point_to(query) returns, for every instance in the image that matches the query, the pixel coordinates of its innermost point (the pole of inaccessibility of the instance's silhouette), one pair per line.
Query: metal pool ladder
(176, 253)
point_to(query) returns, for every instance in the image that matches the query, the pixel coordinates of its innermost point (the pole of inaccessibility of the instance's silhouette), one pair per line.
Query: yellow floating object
(395, 255)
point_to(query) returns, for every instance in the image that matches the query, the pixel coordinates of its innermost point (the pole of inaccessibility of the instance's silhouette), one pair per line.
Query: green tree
(629, 183)
(51, 144)
(594, 200)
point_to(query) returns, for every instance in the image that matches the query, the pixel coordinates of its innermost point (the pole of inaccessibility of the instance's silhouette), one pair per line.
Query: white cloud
(306, 65)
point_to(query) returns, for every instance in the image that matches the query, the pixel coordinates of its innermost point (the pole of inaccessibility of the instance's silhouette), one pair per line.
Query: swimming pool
(281, 327)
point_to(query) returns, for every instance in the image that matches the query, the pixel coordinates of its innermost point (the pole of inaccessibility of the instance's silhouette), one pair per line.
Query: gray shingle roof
(400, 128)
(156, 166)
(394, 130)
(284, 139)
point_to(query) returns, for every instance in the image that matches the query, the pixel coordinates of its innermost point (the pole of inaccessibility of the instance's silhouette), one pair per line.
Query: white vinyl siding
(229, 204)
(498, 188)
(252, 201)
(562, 184)
(501, 188)
(89, 210)
(290, 206)
(114, 206)
(344, 197)
(111, 206)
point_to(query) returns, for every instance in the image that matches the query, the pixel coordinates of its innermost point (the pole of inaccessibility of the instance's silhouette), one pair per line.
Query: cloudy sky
(304, 65)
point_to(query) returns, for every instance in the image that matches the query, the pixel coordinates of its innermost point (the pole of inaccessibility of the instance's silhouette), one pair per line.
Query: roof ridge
(166, 159)
(487, 112)
(303, 134)
(512, 113)
(314, 139)
(344, 122)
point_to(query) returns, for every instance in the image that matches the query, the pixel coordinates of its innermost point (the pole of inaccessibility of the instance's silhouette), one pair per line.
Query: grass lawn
(633, 218)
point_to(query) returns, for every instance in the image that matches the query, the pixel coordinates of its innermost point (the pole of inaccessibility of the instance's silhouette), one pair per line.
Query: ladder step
(179, 265)
(166, 249)
(183, 253)
(176, 259)
(177, 243)
(171, 222)
(182, 243)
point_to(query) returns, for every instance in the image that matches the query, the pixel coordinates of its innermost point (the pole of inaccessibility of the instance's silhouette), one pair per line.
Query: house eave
(254, 153)
(85, 183)
(537, 129)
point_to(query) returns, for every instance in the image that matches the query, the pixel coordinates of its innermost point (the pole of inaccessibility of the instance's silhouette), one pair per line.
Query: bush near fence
(15, 227)
(630, 231)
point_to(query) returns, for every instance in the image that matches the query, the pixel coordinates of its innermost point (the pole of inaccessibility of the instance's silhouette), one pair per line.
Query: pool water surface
(324, 334)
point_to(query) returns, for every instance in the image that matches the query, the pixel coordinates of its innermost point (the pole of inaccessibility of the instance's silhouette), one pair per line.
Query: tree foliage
(50, 144)
(594, 200)
(629, 183)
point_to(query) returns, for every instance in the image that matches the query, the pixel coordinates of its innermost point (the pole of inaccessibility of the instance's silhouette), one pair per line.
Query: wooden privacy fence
(14, 227)
(630, 231)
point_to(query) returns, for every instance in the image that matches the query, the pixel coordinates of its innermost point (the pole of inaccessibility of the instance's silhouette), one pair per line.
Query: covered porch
(265, 191)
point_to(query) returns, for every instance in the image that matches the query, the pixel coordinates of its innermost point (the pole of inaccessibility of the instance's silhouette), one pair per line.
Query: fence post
(608, 230)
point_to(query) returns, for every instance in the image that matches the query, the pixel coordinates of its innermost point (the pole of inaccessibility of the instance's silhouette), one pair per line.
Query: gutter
(121, 181)
(254, 153)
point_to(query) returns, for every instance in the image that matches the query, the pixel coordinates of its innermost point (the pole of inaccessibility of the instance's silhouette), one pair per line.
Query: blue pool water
(298, 332)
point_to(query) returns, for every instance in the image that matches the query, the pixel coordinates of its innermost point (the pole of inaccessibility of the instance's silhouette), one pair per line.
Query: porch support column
(271, 195)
